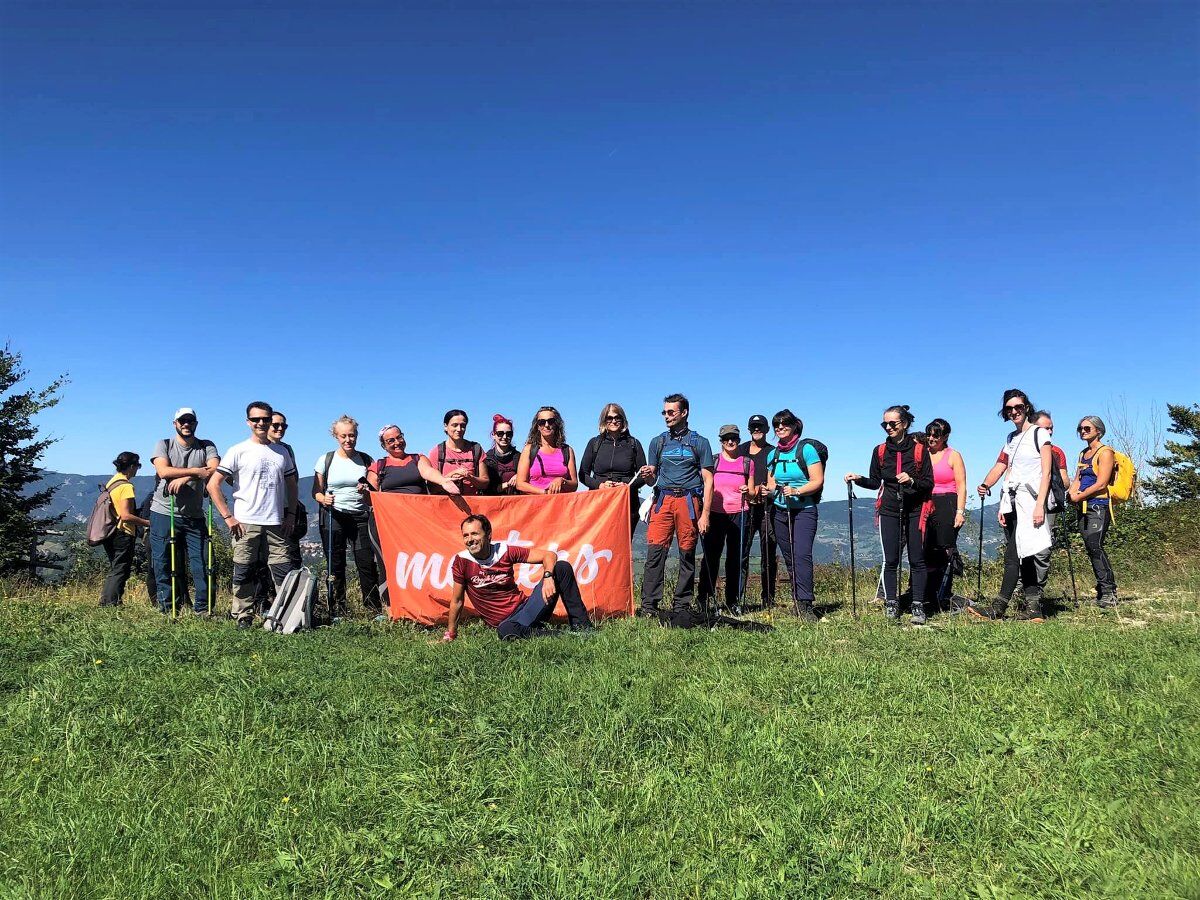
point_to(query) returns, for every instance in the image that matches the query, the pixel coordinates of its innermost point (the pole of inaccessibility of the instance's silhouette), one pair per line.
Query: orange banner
(420, 536)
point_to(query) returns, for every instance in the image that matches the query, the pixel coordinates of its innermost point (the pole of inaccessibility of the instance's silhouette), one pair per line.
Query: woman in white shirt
(340, 486)
(1025, 464)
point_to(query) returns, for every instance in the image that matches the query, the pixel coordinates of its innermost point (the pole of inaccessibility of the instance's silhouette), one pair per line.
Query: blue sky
(393, 211)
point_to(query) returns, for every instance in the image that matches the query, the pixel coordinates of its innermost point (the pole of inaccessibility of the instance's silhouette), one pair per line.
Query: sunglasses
(394, 440)
(506, 434)
(730, 438)
(758, 429)
(260, 420)
(614, 418)
(888, 426)
(1084, 429)
(279, 426)
(672, 412)
(186, 420)
(550, 422)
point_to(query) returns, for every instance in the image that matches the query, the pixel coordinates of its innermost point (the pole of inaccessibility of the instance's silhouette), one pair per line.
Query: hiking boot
(584, 627)
(648, 612)
(1107, 601)
(807, 614)
(993, 610)
(1032, 612)
(918, 614)
(245, 623)
(891, 613)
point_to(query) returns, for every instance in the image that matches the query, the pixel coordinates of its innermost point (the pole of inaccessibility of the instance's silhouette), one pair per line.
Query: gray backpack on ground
(292, 607)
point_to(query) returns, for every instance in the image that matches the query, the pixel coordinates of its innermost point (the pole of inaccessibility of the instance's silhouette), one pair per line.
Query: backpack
(103, 521)
(1124, 476)
(745, 467)
(364, 460)
(537, 456)
(291, 610)
(918, 455)
(1058, 490)
(476, 452)
(822, 454)
(689, 443)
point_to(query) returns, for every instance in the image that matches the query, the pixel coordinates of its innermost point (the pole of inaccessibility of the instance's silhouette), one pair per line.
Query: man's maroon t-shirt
(490, 583)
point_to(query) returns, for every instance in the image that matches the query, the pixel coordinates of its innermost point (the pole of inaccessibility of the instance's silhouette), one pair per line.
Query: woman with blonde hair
(547, 464)
(339, 486)
(613, 457)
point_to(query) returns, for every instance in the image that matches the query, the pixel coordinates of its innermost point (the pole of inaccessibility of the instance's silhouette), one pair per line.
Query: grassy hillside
(140, 758)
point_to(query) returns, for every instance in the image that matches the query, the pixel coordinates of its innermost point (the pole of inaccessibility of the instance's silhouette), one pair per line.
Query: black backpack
(822, 455)
(476, 453)
(536, 455)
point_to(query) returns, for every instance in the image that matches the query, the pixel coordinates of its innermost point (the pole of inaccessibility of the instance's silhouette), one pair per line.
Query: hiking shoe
(647, 612)
(918, 614)
(245, 623)
(1107, 601)
(993, 610)
(1033, 611)
(891, 613)
(584, 627)
(807, 614)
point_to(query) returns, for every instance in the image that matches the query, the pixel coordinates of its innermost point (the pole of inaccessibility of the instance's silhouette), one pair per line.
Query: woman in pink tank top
(547, 464)
(949, 511)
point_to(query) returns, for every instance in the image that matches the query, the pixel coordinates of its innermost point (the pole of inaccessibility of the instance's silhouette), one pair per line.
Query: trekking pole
(853, 587)
(792, 540)
(329, 561)
(171, 542)
(212, 592)
(979, 564)
(1066, 533)
(743, 556)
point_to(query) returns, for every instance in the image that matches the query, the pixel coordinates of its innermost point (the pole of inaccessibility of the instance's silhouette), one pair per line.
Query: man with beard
(182, 465)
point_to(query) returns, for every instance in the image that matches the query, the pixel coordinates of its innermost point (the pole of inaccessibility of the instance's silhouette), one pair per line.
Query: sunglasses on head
(260, 420)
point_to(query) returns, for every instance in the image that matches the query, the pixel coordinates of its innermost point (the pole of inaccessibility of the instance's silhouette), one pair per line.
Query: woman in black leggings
(901, 472)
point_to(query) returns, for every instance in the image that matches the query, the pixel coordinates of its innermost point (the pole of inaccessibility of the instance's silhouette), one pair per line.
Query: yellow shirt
(121, 489)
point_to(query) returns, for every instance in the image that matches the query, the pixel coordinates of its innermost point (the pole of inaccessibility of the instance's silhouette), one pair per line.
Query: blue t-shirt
(789, 473)
(679, 460)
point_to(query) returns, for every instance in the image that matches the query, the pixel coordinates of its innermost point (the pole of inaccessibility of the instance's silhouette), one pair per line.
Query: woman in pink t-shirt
(458, 458)
(949, 509)
(547, 464)
(726, 523)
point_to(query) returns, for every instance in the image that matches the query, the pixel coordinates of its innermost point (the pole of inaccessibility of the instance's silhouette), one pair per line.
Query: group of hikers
(721, 502)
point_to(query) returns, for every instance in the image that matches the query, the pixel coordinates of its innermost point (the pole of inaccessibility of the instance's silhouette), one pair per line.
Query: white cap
(185, 411)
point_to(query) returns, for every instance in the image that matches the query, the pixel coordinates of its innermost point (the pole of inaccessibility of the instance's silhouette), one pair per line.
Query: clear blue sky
(394, 211)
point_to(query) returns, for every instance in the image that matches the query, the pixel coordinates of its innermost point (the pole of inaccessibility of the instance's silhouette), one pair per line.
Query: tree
(1179, 466)
(20, 450)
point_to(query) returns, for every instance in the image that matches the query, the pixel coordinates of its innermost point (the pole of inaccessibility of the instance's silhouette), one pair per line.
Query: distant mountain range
(77, 493)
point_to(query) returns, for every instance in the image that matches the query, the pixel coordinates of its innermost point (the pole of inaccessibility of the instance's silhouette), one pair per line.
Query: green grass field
(140, 758)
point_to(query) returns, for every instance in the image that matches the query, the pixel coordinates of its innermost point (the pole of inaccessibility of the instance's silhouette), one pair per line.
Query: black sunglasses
(614, 418)
(186, 420)
(541, 422)
(279, 426)
(888, 426)
(503, 433)
(260, 420)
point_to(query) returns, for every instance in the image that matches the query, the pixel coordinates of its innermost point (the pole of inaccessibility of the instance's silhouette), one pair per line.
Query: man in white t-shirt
(265, 489)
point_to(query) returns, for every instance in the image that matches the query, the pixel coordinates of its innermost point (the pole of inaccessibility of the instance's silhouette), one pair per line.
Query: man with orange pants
(681, 470)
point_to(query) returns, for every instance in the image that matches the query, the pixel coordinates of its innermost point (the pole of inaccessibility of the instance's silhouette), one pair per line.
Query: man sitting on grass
(484, 572)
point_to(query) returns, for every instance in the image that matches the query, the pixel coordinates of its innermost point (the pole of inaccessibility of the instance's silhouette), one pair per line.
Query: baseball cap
(757, 420)
(729, 431)
(185, 411)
